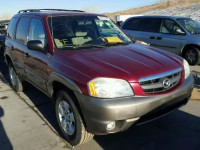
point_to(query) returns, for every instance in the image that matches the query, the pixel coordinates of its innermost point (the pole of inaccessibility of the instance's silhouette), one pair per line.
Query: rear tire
(15, 82)
(192, 55)
(69, 120)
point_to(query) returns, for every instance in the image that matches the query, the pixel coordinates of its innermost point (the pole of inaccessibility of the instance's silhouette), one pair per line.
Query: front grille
(161, 82)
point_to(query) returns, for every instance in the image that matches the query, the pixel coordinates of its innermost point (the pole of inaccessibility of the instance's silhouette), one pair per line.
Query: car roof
(54, 12)
(169, 17)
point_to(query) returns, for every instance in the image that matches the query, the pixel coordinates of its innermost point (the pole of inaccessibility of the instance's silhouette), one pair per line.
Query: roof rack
(39, 10)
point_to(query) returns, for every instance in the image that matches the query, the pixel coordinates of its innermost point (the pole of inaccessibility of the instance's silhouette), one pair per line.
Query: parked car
(121, 18)
(178, 35)
(2, 41)
(100, 80)
(2, 38)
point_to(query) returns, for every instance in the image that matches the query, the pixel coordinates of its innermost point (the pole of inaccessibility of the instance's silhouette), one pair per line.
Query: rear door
(36, 61)
(18, 45)
(169, 39)
(143, 29)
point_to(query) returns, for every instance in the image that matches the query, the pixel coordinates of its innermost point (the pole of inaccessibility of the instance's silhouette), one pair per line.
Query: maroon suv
(100, 80)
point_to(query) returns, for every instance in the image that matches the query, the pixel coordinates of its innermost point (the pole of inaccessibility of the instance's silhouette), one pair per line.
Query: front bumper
(127, 111)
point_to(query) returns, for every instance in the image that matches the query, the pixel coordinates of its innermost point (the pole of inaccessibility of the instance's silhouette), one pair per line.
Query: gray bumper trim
(98, 112)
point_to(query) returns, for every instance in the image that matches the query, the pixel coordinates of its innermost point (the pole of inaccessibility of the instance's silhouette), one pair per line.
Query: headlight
(109, 88)
(186, 68)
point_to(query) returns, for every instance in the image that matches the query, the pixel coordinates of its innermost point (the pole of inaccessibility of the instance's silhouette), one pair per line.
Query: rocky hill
(179, 9)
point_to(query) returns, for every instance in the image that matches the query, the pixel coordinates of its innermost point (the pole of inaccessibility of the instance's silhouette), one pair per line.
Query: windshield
(79, 32)
(190, 25)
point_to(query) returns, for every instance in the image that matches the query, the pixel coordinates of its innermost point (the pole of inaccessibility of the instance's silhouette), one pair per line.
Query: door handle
(12, 48)
(26, 55)
(159, 38)
(152, 37)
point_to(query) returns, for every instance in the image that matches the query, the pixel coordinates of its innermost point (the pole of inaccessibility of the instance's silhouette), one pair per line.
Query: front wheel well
(57, 86)
(188, 46)
(8, 59)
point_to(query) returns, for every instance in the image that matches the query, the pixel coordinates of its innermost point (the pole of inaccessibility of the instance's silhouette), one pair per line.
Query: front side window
(36, 31)
(79, 32)
(171, 27)
(22, 29)
(190, 25)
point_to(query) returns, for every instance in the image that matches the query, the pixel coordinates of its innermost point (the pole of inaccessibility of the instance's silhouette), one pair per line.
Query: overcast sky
(100, 6)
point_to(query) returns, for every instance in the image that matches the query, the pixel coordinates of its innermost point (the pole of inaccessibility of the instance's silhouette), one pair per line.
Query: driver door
(36, 61)
(168, 38)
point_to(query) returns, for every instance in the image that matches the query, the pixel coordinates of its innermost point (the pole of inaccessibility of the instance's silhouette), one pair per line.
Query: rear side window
(22, 29)
(36, 31)
(144, 24)
(12, 27)
(151, 25)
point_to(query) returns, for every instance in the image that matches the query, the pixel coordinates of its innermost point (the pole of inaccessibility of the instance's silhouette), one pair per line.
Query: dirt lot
(27, 121)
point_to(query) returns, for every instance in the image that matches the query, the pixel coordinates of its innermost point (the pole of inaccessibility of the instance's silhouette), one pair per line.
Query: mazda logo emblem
(166, 83)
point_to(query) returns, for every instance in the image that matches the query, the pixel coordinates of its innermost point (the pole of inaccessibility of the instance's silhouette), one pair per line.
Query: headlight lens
(109, 88)
(186, 69)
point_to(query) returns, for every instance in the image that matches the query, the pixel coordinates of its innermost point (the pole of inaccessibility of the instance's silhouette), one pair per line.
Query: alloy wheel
(191, 56)
(66, 117)
(13, 77)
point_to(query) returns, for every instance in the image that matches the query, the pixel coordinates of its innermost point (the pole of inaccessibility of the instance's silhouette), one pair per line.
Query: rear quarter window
(12, 27)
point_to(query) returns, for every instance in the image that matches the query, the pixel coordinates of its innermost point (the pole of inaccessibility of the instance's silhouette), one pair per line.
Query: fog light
(111, 126)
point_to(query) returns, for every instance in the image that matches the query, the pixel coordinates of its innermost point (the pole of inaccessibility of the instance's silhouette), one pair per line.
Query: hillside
(178, 9)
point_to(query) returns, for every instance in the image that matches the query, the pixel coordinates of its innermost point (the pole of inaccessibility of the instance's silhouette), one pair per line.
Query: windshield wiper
(115, 44)
(88, 46)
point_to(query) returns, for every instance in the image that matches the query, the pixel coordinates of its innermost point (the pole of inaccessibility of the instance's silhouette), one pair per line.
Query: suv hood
(130, 62)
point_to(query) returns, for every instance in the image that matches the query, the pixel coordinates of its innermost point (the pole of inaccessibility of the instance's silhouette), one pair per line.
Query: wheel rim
(66, 117)
(191, 56)
(13, 77)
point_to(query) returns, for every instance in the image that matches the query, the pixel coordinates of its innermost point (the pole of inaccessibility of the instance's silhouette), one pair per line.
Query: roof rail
(39, 10)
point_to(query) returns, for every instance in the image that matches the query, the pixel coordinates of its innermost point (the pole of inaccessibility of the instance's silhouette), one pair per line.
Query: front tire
(15, 82)
(69, 120)
(192, 55)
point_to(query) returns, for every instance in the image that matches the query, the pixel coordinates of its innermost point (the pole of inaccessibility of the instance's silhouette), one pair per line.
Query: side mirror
(35, 45)
(179, 31)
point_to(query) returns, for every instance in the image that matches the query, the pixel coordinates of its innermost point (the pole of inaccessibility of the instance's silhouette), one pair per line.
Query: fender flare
(57, 77)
